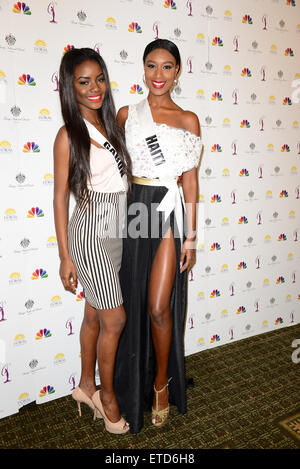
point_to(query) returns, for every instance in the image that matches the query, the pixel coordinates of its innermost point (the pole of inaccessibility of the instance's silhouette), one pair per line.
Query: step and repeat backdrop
(241, 75)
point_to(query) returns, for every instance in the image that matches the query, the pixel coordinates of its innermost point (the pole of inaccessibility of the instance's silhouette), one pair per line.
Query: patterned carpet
(245, 396)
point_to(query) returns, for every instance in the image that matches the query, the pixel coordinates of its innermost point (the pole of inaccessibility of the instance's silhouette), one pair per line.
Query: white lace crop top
(183, 150)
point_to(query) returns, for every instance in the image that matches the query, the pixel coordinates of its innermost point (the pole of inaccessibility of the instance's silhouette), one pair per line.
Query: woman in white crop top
(164, 144)
(91, 161)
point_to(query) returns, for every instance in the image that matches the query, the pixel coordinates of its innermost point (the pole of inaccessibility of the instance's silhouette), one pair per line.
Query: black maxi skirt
(135, 367)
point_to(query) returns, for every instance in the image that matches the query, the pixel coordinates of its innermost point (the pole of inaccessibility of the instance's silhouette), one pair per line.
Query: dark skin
(100, 329)
(160, 71)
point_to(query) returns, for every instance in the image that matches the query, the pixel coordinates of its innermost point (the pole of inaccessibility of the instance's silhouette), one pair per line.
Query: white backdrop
(241, 75)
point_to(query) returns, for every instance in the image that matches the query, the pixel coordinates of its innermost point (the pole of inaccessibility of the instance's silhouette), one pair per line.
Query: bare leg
(160, 288)
(112, 322)
(89, 334)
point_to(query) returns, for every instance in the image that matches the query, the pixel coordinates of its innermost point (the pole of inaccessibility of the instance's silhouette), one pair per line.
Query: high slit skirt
(95, 246)
(135, 368)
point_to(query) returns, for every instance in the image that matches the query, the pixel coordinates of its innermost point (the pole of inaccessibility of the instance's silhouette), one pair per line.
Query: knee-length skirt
(95, 246)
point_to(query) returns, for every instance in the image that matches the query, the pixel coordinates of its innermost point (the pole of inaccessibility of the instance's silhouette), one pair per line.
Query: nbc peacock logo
(216, 96)
(247, 19)
(289, 52)
(215, 294)
(241, 310)
(280, 280)
(215, 199)
(245, 124)
(282, 237)
(278, 321)
(67, 48)
(217, 41)
(46, 391)
(26, 79)
(35, 212)
(285, 147)
(287, 101)
(39, 274)
(135, 27)
(43, 334)
(136, 89)
(246, 72)
(21, 7)
(215, 338)
(79, 297)
(31, 147)
(243, 220)
(242, 266)
(244, 172)
(283, 194)
(291, 3)
(170, 4)
(216, 148)
(215, 247)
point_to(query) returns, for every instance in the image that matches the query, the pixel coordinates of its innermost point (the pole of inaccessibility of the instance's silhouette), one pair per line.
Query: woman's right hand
(68, 275)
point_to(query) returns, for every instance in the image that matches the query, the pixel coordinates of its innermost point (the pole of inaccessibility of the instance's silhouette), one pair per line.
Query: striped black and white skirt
(95, 246)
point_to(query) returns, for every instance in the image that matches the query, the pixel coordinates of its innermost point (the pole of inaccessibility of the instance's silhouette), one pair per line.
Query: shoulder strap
(99, 138)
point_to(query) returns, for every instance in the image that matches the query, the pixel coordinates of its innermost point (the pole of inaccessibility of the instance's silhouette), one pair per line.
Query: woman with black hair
(91, 161)
(164, 144)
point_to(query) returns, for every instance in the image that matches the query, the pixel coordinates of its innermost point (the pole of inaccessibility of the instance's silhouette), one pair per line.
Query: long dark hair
(164, 44)
(79, 139)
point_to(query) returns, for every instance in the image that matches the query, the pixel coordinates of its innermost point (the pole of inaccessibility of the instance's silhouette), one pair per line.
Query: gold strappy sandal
(163, 414)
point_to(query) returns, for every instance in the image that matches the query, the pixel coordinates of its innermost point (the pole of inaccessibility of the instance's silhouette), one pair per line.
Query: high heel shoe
(79, 396)
(163, 414)
(111, 427)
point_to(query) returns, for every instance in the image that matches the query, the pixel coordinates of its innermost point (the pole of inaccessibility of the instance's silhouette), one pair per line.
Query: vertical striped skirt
(95, 246)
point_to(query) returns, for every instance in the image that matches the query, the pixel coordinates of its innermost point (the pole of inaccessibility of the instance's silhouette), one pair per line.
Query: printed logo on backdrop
(59, 359)
(5, 374)
(15, 278)
(5, 147)
(169, 4)
(177, 35)
(24, 399)
(10, 214)
(123, 58)
(46, 391)
(11, 41)
(135, 27)
(281, 26)
(51, 10)
(69, 326)
(51, 242)
(48, 179)
(72, 381)
(24, 247)
(56, 301)
(30, 308)
(44, 115)
(111, 24)
(81, 19)
(2, 311)
(15, 114)
(227, 15)
(40, 47)
(21, 8)
(19, 340)
(208, 13)
(33, 367)
(114, 87)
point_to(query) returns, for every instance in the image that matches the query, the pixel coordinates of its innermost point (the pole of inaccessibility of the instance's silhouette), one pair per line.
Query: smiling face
(160, 71)
(89, 86)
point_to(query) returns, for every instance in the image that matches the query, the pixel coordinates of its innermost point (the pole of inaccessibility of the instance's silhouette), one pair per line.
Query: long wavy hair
(79, 139)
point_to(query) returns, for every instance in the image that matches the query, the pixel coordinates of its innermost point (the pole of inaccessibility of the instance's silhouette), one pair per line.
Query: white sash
(97, 136)
(158, 151)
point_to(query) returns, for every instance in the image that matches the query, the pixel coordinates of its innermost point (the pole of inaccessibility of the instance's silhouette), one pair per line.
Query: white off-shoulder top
(182, 152)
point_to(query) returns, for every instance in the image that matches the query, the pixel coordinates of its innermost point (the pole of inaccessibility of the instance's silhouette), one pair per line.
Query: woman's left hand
(188, 255)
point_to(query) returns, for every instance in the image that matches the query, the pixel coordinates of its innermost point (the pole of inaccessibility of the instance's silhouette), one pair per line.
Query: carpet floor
(245, 396)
